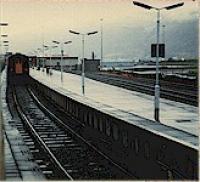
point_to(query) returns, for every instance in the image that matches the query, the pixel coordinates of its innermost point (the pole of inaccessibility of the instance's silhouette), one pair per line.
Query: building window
(77, 109)
(136, 146)
(115, 132)
(108, 128)
(85, 117)
(101, 124)
(79, 112)
(68, 106)
(88, 117)
(146, 150)
(96, 122)
(125, 139)
(92, 117)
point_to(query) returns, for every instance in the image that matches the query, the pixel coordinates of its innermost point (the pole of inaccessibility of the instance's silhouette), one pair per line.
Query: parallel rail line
(71, 154)
(180, 93)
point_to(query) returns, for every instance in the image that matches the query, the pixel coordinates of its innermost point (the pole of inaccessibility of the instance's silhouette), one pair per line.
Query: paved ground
(178, 115)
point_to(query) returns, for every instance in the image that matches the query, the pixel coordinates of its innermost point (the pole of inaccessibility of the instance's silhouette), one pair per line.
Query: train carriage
(18, 69)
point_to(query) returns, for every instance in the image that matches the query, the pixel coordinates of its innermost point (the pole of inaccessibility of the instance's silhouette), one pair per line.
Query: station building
(69, 63)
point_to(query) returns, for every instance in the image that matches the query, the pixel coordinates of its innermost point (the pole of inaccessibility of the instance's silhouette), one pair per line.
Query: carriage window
(108, 128)
(115, 132)
(147, 150)
(125, 138)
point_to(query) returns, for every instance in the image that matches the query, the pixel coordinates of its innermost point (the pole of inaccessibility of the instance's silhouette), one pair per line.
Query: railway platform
(18, 161)
(178, 115)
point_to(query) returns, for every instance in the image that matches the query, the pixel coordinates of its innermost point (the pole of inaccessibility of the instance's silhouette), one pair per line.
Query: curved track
(69, 155)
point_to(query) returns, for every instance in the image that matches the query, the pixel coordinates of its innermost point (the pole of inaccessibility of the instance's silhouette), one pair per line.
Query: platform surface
(175, 114)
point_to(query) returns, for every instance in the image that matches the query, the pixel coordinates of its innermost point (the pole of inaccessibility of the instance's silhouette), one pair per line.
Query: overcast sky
(128, 30)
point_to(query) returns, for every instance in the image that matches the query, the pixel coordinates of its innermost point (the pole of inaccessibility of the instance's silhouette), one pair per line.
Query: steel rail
(78, 136)
(35, 134)
(176, 95)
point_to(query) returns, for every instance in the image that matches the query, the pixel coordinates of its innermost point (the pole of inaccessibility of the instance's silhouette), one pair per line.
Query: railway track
(174, 91)
(11, 168)
(38, 154)
(58, 149)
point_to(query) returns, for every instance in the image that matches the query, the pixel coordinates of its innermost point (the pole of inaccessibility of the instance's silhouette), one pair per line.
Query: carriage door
(18, 66)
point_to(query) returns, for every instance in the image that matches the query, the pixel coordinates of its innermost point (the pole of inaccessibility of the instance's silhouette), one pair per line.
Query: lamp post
(39, 50)
(101, 42)
(2, 169)
(50, 49)
(83, 61)
(43, 52)
(163, 26)
(62, 54)
(157, 87)
(36, 57)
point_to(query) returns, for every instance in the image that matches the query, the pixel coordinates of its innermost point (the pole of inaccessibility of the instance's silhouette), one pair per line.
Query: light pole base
(61, 79)
(157, 103)
(83, 82)
(156, 114)
(83, 89)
